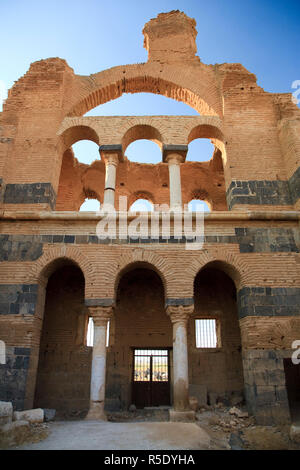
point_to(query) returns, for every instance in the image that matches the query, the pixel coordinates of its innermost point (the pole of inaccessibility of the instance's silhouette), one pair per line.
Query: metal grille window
(206, 333)
(151, 365)
(90, 333)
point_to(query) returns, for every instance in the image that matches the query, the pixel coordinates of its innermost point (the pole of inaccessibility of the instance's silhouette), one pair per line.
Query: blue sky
(93, 35)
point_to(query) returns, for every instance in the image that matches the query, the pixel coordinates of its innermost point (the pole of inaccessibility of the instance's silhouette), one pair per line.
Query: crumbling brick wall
(251, 182)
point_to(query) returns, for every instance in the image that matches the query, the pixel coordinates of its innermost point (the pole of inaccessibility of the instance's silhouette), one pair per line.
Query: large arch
(64, 361)
(138, 264)
(236, 268)
(110, 84)
(215, 331)
(141, 131)
(53, 257)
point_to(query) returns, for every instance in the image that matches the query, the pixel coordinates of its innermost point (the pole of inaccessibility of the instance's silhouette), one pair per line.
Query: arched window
(143, 151)
(140, 104)
(200, 150)
(90, 205)
(141, 205)
(86, 151)
(196, 205)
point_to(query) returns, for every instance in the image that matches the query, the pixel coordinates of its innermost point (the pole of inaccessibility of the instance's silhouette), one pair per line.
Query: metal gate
(151, 377)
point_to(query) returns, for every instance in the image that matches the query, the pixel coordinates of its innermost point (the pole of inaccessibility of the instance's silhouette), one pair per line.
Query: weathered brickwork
(250, 240)
(265, 387)
(18, 299)
(34, 193)
(21, 247)
(294, 183)
(259, 192)
(269, 301)
(55, 271)
(13, 376)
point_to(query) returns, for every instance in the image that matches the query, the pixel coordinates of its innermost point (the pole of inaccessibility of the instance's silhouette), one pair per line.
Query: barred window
(206, 333)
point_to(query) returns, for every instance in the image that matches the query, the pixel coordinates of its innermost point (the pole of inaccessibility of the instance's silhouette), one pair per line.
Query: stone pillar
(111, 155)
(174, 155)
(179, 316)
(101, 316)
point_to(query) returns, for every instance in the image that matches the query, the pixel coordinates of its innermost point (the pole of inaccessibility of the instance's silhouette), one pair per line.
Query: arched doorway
(215, 361)
(138, 359)
(63, 377)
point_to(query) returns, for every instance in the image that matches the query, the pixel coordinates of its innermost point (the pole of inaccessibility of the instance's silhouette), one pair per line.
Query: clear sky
(93, 35)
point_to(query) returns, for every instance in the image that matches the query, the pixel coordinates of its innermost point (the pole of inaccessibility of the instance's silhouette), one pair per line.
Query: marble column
(179, 316)
(101, 316)
(111, 155)
(174, 155)
(111, 163)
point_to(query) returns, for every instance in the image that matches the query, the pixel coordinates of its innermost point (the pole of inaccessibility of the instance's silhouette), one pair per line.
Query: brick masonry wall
(63, 377)
(13, 376)
(265, 387)
(140, 312)
(257, 134)
(218, 372)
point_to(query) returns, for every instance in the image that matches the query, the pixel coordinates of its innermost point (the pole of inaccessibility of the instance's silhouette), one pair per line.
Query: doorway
(151, 377)
(292, 380)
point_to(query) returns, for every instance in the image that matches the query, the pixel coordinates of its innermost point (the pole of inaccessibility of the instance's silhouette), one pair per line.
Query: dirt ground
(215, 428)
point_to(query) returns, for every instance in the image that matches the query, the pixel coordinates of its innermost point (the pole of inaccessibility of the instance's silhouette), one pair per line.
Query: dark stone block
(47, 238)
(22, 351)
(103, 241)
(294, 185)
(106, 302)
(58, 238)
(258, 192)
(180, 301)
(30, 193)
(92, 239)
(29, 249)
(81, 239)
(246, 248)
(4, 308)
(18, 298)
(70, 238)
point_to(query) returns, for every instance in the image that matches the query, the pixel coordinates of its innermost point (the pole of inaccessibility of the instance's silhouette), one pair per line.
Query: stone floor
(95, 435)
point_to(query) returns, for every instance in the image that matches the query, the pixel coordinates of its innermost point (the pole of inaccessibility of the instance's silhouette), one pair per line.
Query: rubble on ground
(19, 427)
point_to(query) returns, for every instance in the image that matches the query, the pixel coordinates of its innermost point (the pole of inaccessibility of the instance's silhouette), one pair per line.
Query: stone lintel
(169, 149)
(106, 150)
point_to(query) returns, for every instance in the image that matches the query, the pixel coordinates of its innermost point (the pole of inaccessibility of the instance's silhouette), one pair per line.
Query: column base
(188, 416)
(96, 412)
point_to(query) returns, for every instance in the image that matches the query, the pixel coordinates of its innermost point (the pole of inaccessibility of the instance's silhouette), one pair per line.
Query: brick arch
(74, 130)
(135, 258)
(236, 268)
(51, 259)
(205, 131)
(179, 84)
(141, 131)
(140, 195)
(200, 194)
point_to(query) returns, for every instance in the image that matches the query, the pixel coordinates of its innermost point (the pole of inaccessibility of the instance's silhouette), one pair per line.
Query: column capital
(179, 313)
(112, 154)
(174, 153)
(101, 314)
